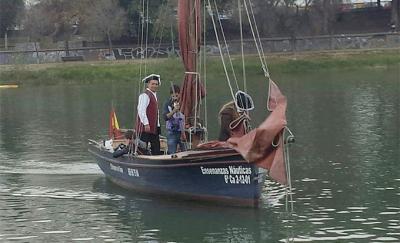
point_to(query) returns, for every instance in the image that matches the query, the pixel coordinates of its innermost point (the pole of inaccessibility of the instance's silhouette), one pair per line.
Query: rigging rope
(220, 50)
(195, 16)
(142, 62)
(242, 46)
(141, 39)
(147, 36)
(259, 38)
(160, 30)
(205, 71)
(264, 67)
(286, 140)
(226, 45)
(289, 195)
(234, 97)
(159, 43)
(243, 119)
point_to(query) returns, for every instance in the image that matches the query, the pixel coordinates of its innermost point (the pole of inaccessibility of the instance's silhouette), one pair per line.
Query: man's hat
(152, 77)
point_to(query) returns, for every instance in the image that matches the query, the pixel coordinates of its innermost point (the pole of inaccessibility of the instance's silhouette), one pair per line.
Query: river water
(345, 167)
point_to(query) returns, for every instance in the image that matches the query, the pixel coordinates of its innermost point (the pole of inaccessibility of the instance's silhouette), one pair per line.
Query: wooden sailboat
(231, 172)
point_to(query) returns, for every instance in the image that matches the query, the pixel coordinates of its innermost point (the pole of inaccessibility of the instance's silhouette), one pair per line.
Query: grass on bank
(172, 69)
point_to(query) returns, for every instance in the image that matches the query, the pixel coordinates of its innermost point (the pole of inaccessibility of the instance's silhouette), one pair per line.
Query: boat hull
(211, 176)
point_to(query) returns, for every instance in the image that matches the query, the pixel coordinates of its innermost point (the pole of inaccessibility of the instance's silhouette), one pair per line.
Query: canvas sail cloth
(264, 144)
(189, 42)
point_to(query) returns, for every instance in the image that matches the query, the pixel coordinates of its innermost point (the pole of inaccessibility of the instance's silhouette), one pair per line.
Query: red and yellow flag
(114, 130)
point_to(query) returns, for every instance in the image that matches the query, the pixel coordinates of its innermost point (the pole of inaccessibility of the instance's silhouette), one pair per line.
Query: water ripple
(58, 193)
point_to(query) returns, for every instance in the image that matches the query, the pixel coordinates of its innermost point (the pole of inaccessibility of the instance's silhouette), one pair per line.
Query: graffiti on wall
(340, 42)
(136, 53)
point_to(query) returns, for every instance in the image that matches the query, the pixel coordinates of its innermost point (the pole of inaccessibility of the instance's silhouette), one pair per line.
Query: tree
(264, 12)
(165, 24)
(9, 10)
(55, 18)
(324, 15)
(36, 27)
(395, 18)
(105, 18)
(137, 15)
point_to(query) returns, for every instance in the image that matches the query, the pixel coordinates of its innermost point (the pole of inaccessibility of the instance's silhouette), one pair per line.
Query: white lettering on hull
(116, 168)
(133, 172)
(232, 174)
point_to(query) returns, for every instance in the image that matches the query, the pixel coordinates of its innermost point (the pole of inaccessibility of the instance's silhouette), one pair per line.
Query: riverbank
(172, 69)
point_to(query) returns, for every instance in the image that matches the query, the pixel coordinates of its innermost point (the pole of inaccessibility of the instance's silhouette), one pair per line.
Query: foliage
(324, 13)
(130, 21)
(9, 10)
(104, 18)
(55, 18)
(395, 15)
(137, 16)
(35, 25)
(165, 25)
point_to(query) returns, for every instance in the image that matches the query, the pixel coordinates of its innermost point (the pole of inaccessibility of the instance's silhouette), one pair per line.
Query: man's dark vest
(152, 115)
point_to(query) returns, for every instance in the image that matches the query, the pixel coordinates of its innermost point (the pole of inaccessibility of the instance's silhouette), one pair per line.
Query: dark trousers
(154, 140)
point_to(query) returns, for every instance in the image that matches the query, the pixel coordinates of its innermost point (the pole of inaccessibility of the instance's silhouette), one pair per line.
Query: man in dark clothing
(125, 146)
(227, 114)
(234, 117)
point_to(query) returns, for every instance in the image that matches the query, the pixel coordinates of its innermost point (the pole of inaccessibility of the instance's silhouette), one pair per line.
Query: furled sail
(189, 27)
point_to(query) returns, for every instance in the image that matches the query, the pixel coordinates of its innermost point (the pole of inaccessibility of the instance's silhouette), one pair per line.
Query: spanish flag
(114, 131)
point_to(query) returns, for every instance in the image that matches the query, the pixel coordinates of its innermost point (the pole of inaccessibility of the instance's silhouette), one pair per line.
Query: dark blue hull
(218, 176)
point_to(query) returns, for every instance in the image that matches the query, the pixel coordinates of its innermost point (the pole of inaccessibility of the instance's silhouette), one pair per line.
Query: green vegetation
(341, 61)
(172, 69)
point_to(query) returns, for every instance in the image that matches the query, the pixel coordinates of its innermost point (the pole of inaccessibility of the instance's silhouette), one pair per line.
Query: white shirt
(144, 101)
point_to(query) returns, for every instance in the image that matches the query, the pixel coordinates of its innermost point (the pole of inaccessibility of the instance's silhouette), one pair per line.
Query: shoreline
(172, 68)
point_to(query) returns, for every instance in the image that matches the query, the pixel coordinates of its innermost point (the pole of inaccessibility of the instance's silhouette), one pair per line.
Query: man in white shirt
(148, 122)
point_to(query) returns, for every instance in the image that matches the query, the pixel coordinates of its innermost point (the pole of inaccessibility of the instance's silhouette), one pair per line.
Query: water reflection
(176, 221)
(90, 208)
(344, 165)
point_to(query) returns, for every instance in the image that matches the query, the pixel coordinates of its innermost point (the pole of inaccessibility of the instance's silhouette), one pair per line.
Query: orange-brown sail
(189, 42)
(264, 144)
